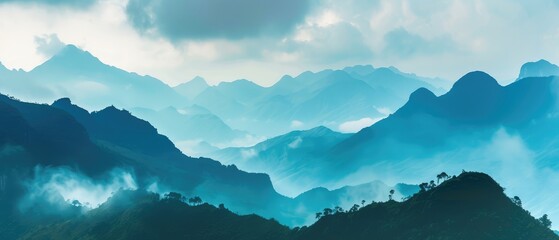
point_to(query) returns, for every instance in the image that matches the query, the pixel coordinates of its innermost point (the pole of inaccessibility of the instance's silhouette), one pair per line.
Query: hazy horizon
(426, 38)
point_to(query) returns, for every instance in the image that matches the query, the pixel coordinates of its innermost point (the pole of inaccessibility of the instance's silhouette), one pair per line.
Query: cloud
(48, 45)
(296, 143)
(327, 42)
(52, 185)
(248, 153)
(296, 124)
(71, 3)
(400, 42)
(357, 125)
(384, 110)
(429, 38)
(207, 19)
(505, 155)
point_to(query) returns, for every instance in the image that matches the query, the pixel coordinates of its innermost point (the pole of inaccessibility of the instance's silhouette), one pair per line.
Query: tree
(362, 203)
(174, 196)
(327, 211)
(76, 203)
(442, 176)
(195, 200)
(544, 220)
(318, 215)
(423, 187)
(221, 206)
(338, 209)
(391, 193)
(432, 184)
(354, 208)
(516, 200)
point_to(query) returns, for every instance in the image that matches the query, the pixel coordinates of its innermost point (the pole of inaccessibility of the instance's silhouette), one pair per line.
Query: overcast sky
(261, 40)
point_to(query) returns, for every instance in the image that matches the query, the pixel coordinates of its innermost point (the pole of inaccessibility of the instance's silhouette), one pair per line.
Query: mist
(507, 156)
(60, 186)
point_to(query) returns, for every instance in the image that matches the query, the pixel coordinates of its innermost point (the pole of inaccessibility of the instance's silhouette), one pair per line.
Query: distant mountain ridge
(329, 97)
(289, 159)
(192, 88)
(541, 68)
(78, 74)
(473, 126)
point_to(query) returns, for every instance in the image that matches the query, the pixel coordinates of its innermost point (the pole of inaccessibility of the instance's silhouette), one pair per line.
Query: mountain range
(245, 111)
(289, 159)
(329, 97)
(61, 160)
(473, 126)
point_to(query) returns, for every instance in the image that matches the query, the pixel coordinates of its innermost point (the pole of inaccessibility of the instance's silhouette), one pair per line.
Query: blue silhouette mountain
(288, 159)
(192, 88)
(541, 68)
(94, 143)
(329, 97)
(185, 124)
(475, 102)
(78, 74)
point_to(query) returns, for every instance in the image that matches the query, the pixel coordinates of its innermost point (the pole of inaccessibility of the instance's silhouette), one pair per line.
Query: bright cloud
(296, 143)
(357, 125)
(55, 184)
(296, 124)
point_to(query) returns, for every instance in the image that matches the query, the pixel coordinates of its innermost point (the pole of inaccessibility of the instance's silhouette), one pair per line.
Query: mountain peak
(541, 68)
(192, 88)
(359, 69)
(384, 73)
(320, 130)
(71, 50)
(71, 58)
(198, 81)
(63, 102)
(474, 82)
(480, 186)
(238, 82)
(72, 54)
(422, 95)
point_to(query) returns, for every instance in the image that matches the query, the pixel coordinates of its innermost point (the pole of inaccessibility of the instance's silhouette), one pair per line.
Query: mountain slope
(476, 126)
(288, 159)
(79, 75)
(142, 215)
(476, 101)
(98, 142)
(190, 124)
(192, 88)
(470, 206)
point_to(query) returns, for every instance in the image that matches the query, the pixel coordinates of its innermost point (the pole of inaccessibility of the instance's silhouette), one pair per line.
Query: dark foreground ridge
(470, 206)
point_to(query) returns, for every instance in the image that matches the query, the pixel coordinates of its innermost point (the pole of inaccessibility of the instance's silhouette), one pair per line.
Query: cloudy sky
(261, 40)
